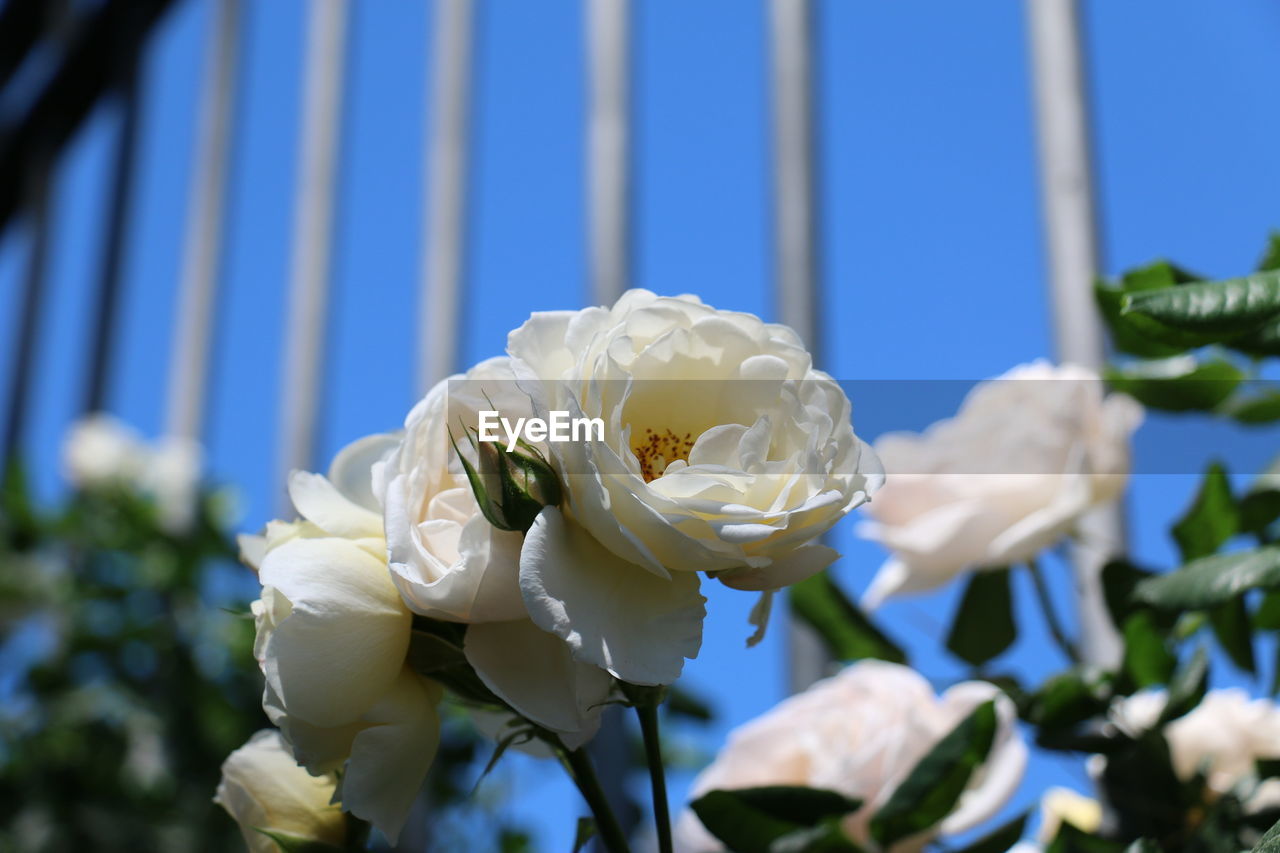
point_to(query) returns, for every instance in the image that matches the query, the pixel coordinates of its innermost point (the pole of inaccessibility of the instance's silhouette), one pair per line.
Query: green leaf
(799, 805)
(430, 653)
(1216, 310)
(999, 839)
(681, 702)
(1127, 336)
(934, 785)
(1269, 843)
(1068, 698)
(1270, 259)
(1230, 622)
(1140, 783)
(826, 837)
(1211, 581)
(752, 820)
(1182, 386)
(1267, 616)
(983, 626)
(1119, 577)
(1147, 658)
(1258, 510)
(1211, 519)
(1187, 687)
(848, 633)
(585, 832)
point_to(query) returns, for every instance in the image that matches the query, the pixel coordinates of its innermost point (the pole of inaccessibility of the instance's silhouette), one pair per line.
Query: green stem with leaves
(648, 714)
(583, 774)
(1050, 615)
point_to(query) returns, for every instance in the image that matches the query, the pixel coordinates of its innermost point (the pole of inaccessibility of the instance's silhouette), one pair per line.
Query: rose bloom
(102, 451)
(262, 787)
(1027, 455)
(724, 452)
(450, 563)
(1224, 736)
(860, 733)
(332, 639)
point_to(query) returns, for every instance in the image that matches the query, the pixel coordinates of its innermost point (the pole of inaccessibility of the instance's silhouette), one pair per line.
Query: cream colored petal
(319, 501)
(391, 756)
(535, 673)
(613, 614)
(345, 638)
(352, 469)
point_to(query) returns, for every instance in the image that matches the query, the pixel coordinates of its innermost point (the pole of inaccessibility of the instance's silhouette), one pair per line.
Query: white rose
(447, 560)
(1026, 456)
(171, 477)
(1224, 736)
(102, 450)
(450, 563)
(332, 637)
(860, 733)
(724, 451)
(262, 787)
(1063, 805)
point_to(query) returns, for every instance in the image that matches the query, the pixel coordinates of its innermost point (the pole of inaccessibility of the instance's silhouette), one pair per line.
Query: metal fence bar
(106, 300)
(313, 233)
(1069, 209)
(444, 243)
(197, 309)
(608, 128)
(796, 232)
(22, 356)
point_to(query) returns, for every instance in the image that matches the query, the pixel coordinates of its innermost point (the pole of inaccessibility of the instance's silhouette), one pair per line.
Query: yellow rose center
(656, 450)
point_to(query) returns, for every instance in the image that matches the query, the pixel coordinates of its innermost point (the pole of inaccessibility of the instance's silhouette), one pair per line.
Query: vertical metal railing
(796, 233)
(198, 303)
(1071, 236)
(106, 300)
(319, 137)
(608, 148)
(445, 215)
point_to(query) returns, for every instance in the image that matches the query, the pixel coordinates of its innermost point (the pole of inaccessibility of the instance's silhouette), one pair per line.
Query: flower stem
(648, 714)
(1051, 615)
(584, 776)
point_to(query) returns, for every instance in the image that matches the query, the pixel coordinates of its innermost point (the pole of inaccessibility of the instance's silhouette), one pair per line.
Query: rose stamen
(656, 450)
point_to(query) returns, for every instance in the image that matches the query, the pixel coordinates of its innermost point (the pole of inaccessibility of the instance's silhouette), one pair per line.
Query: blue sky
(931, 244)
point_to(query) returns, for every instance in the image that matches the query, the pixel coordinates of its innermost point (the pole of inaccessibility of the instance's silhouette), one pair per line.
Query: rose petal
(535, 673)
(613, 614)
(319, 501)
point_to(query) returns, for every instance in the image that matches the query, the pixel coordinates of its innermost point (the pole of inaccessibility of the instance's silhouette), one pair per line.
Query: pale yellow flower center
(656, 450)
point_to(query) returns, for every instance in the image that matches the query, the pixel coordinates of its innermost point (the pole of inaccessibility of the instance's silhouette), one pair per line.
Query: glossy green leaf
(1231, 626)
(1219, 310)
(1270, 842)
(1259, 408)
(999, 839)
(1259, 510)
(1193, 387)
(983, 626)
(846, 631)
(1068, 698)
(1147, 658)
(753, 820)
(1270, 259)
(1187, 687)
(1211, 519)
(826, 837)
(1267, 616)
(1119, 577)
(1215, 580)
(1141, 784)
(934, 785)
